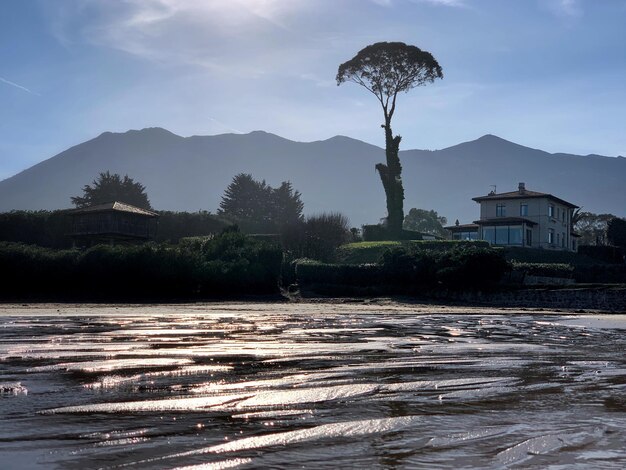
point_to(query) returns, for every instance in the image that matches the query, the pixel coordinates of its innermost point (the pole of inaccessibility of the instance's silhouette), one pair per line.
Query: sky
(548, 74)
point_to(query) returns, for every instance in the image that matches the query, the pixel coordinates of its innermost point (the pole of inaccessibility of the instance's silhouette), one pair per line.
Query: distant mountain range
(333, 175)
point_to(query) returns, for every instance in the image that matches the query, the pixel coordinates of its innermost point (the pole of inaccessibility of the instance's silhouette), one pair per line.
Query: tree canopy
(258, 207)
(592, 227)
(425, 221)
(109, 187)
(389, 68)
(386, 69)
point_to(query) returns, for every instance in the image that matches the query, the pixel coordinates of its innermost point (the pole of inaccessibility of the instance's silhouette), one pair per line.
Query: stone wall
(612, 299)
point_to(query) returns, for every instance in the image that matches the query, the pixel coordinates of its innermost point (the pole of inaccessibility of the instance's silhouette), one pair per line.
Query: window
(550, 210)
(465, 236)
(563, 213)
(523, 210)
(558, 212)
(500, 210)
(515, 235)
(529, 237)
(489, 234)
(563, 240)
(502, 235)
(551, 236)
(558, 238)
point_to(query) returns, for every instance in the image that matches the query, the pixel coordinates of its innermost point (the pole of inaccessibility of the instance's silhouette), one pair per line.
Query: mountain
(333, 175)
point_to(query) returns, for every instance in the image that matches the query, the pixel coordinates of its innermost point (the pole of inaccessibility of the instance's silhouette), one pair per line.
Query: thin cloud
(567, 8)
(17, 85)
(444, 3)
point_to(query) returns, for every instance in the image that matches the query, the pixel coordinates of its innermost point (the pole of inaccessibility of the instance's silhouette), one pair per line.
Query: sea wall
(612, 299)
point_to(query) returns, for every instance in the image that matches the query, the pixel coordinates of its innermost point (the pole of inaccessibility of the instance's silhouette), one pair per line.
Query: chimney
(522, 188)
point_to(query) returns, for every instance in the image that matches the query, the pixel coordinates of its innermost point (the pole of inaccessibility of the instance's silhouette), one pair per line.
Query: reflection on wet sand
(313, 386)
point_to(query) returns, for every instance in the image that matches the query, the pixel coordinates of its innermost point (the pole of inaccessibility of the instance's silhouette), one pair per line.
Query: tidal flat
(310, 385)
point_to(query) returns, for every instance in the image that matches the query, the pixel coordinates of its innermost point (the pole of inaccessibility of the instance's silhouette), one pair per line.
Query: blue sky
(548, 74)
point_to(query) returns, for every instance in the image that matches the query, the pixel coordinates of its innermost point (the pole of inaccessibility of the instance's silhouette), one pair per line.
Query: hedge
(229, 264)
(371, 252)
(459, 268)
(372, 233)
(51, 228)
(316, 272)
(560, 270)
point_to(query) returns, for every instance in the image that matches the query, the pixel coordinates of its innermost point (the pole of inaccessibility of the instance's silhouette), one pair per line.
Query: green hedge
(315, 272)
(229, 264)
(373, 233)
(51, 228)
(561, 270)
(372, 252)
(459, 268)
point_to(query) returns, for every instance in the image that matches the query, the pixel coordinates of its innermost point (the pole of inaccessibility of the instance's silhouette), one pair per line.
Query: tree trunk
(390, 175)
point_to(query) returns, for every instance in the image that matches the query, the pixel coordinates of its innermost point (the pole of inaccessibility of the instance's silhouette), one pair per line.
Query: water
(310, 386)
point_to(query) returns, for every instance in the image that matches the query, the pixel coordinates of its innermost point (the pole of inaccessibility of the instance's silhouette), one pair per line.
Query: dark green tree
(616, 232)
(592, 227)
(386, 69)
(246, 199)
(288, 205)
(421, 220)
(109, 187)
(258, 207)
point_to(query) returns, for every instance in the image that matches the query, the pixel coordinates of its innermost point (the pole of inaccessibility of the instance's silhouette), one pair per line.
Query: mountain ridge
(191, 173)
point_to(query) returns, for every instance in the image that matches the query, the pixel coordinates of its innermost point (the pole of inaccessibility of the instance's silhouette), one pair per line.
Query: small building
(112, 222)
(526, 219)
(463, 231)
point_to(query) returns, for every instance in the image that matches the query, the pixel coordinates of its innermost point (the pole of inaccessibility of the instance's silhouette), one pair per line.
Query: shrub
(316, 238)
(371, 252)
(561, 270)
(401, 266)
(364, 252)
(459, 268)
(43, 228)
(228, 264)
(174, 226)
(443, 245)
(470, 267)
(373, 233)
(316, 272)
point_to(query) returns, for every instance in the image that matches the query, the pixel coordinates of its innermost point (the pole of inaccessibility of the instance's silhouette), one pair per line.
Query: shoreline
(375, 305)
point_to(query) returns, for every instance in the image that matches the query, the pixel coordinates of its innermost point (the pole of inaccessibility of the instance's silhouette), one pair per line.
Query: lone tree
(112, 187)
(386, 69)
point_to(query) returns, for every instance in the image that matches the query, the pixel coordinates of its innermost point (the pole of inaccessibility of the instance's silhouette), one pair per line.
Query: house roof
(526, 194)
(460, 228)
(115, 206)
(505, 221)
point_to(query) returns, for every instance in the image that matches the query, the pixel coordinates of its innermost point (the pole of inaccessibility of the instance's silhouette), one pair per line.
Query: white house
(522, 218)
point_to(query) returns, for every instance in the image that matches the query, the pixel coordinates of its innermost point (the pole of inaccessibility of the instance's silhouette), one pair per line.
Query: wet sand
(379, 384)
